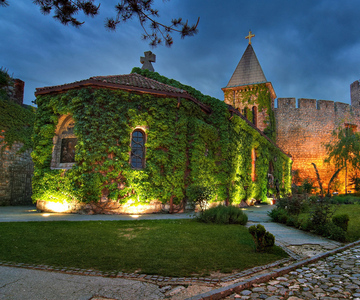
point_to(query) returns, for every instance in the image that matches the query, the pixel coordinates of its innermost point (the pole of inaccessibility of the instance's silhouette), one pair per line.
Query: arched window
(254, 115)
(63, 156)
(137, 159)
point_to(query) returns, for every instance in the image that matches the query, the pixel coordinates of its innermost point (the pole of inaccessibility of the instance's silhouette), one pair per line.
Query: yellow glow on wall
(56, 206)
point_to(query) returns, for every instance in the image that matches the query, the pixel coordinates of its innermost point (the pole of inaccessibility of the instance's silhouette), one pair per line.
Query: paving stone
(334, 277)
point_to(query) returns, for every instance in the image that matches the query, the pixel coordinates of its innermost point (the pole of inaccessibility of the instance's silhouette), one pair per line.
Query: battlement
(355, 93)
(312, 104)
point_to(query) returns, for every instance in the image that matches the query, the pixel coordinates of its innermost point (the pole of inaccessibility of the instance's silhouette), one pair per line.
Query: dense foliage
(263, 239)
(315, 214)
(184, 147)
(223, 215)
(258, 95)
(344, 151)
(16, 122)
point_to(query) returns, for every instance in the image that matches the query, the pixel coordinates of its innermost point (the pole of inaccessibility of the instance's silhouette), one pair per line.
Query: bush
(200, 195)
(321, 213)
(305, 224)
(291, 221)
(307, 186)
(278, 215)
(341, 221)
(223, 215)
(262, 238)
(333, 232)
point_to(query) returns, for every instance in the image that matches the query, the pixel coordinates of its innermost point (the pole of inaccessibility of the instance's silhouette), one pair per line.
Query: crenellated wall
(302, 128)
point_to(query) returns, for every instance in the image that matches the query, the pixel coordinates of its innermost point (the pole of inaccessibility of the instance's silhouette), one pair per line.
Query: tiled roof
(129, 80)
(137, 80)
(248, 71)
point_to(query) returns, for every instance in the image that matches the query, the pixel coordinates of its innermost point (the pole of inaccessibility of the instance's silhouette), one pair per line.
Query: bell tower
(248, 90)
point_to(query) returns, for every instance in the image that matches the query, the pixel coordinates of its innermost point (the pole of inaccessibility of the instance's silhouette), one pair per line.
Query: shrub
(269, 239)
(278, 215)
(200, 195)
(307, 186)
(305, 224)
(341, 221)
(223, 215)
(333, 232)
(291, 221)
(262, 238)
(321, 213)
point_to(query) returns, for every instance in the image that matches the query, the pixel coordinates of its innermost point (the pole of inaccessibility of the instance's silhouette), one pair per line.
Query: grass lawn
(163, 247)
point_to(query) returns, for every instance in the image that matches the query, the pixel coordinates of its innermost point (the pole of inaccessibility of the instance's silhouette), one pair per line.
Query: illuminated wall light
(56, 206)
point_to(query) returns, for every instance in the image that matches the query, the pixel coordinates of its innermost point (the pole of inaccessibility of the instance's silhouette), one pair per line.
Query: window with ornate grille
(137, 160)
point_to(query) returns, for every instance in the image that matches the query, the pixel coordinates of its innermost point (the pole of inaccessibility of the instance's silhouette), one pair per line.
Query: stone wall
(15, 90)
(15, 176)
(303, 129)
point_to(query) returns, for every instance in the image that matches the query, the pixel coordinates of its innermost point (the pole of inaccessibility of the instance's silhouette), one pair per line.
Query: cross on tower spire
(250, 36)
(147, 60)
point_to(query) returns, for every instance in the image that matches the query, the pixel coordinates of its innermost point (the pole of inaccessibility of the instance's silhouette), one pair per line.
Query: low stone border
(223, 292)
(156, 279)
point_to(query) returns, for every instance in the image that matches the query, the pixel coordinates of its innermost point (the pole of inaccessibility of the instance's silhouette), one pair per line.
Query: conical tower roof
(248, 71)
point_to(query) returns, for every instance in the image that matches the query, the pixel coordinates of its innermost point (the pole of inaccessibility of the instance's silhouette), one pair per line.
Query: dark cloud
(306, 48)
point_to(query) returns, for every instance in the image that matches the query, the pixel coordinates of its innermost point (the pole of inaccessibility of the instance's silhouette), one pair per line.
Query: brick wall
(15, 176)
(303, 129)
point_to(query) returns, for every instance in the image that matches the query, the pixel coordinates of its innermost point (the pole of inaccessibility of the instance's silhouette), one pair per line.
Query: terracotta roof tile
(137, 80)
(130, 80)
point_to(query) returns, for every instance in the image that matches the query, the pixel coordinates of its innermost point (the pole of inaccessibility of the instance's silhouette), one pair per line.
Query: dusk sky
(307, 49)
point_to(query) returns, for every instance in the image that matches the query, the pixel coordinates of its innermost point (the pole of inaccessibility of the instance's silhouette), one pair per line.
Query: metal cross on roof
(147, 60)
(250, 36)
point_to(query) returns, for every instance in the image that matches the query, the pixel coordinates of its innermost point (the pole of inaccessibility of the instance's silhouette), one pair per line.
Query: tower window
(254, 115)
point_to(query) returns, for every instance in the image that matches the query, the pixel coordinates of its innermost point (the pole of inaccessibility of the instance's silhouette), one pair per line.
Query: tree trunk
(346, 174)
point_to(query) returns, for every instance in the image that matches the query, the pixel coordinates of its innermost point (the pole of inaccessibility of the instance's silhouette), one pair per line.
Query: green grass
(163, 247)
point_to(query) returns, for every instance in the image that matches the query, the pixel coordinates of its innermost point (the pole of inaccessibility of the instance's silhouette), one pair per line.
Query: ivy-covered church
(141, 143)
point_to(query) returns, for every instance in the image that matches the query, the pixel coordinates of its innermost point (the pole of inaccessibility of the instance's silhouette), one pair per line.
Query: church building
(143, 143)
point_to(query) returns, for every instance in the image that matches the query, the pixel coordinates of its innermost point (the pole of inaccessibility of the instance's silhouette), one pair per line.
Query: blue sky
(307, 49)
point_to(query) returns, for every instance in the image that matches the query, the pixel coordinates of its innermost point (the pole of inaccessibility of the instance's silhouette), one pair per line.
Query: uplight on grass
(46, 215)
(134, 216)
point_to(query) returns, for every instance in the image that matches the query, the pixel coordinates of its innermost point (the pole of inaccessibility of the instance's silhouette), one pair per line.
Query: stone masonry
(15, 176)
(16, 169)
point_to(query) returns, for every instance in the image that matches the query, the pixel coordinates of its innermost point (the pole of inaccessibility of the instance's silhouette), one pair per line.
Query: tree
(344, 150)
(155, 32)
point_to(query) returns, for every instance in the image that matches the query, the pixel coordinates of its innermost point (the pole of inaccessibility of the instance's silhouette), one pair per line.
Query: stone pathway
(297, 243)
(335, 277)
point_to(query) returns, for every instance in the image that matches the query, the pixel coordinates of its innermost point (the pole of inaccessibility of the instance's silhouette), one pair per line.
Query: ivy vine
(16, 122)
(184, 147)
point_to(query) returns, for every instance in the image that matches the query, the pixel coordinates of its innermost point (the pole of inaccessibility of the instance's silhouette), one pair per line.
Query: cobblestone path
(334, 277)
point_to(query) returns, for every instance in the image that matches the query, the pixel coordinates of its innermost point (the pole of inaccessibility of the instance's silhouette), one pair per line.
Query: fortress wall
(302, 131)
(15, 175)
